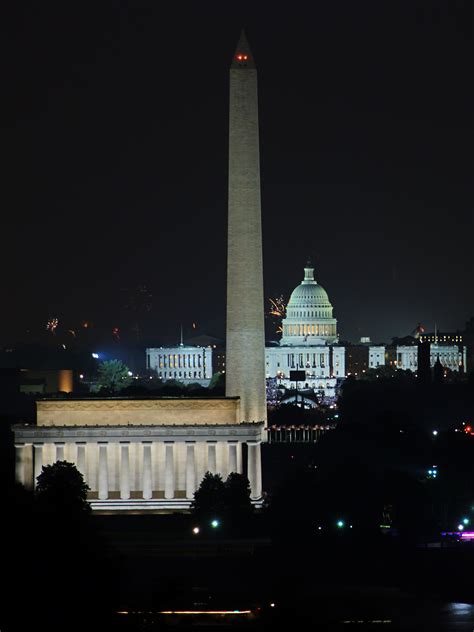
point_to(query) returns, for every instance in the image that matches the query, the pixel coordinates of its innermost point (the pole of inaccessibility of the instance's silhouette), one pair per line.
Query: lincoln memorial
(140, 454)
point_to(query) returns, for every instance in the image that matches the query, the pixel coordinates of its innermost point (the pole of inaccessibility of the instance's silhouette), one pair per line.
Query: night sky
(114, 133)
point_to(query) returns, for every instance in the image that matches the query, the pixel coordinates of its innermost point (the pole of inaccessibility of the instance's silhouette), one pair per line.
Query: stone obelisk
(245, 351)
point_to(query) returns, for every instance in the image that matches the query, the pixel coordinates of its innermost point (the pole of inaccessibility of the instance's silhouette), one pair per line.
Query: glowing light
(81, 376)
(95, 356)
(52, 325)
(435, 432)
(129, 373)
(460, 527)
(196, 530)
(215, 524)
(465, 520)
(340, 523)
(241, 57)
(272, 605)
(193, 612)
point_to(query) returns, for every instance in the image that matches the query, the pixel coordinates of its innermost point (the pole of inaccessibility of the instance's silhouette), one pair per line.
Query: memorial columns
(59, 450)
(211, 457)
(190, 470)
(103, 472)
(37, 461)
(147, 478)
(124, 470)
(254, 468)
(81, 457)
(233, 466)
(169, 469)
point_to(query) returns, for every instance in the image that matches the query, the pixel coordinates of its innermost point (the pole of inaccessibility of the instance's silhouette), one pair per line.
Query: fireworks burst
(277, 308)
(277, 312)
(52, 325)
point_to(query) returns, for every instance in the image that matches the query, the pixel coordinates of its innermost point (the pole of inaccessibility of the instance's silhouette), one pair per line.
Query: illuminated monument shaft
(245, 353)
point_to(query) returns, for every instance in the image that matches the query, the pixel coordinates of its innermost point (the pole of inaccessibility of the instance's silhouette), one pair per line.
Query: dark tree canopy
(237, 495)
(61, 488)
(113, 375)
(209, 497)
(229, 500)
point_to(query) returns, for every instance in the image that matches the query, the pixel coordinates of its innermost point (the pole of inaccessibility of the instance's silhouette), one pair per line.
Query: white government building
(183, 363)
(140, 454)
(309, 340)
(451, 356)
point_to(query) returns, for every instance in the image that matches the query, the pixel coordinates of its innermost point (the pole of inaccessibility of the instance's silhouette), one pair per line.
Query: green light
(466, 520)
(340, 523)
(215, 524)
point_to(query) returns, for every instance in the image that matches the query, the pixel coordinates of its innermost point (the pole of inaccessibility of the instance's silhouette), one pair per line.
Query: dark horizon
(115, 133)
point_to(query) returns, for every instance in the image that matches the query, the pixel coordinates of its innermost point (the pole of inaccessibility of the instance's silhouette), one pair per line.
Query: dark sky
(114, 133)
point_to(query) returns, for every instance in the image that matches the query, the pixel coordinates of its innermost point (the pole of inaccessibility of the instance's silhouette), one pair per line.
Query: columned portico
(81, 456)
(141, 467)
(103, 472)
(190, 469)
(59, 451)
(124, 470)
(37, 461)
(24, 464)
(255, 469)
(233, 462)
(169, 469)
(212, 457)
(147, 476)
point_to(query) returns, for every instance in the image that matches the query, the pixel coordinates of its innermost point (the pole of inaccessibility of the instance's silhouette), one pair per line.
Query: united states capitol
(310, 342)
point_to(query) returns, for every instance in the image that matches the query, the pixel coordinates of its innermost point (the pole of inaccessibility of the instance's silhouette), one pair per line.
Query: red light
(468, 429)
(242, 57)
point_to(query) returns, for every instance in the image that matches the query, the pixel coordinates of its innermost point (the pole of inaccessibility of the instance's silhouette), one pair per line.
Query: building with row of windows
(309, 341)
(186, 364)
(361, 358)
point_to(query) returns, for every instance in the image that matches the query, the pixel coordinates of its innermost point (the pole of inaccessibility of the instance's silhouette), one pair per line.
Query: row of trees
(61, 490)
(113, 376)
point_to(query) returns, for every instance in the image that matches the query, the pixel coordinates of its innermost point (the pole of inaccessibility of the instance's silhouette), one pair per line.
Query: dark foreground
(150, 573)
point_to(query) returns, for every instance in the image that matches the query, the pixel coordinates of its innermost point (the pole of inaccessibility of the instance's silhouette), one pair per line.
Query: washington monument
(245, 354)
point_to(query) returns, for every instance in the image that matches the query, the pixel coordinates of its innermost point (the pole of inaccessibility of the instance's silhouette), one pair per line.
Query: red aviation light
(241, 57)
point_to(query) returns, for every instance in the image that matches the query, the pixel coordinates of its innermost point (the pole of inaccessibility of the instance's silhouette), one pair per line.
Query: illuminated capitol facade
(309, 341)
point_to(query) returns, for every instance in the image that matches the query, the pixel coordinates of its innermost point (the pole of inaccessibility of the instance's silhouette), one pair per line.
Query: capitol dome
(309, 319)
